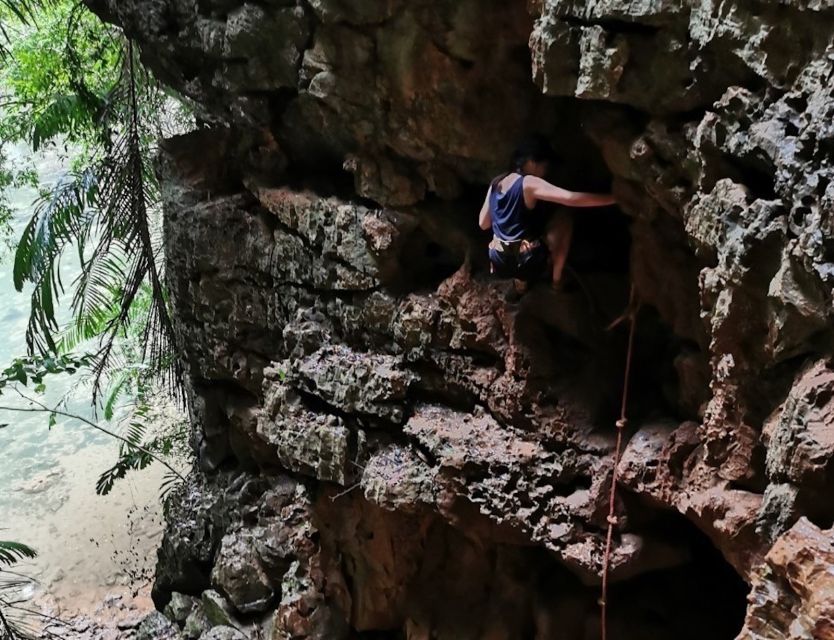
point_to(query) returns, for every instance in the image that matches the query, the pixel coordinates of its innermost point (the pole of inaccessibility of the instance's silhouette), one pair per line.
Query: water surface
(88, 545)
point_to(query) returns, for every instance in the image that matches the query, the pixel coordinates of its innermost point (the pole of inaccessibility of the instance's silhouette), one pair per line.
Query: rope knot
(613, 520)
(621, 423)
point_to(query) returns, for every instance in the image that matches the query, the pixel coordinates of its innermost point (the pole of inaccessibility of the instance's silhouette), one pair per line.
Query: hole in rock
(463, 588)
(755, 175)
(571, 353)
(697, 594)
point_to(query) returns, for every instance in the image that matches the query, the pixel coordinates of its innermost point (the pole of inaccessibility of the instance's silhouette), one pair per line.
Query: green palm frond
(12, 626)
(62, 219)
(15, 623)
(12, 552)
(104, 213)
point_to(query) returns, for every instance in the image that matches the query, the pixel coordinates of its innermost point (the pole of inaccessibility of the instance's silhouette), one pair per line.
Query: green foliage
(33, 370)
(11, 552)
(103, 213)
(135, 452)
(21, 11)
(132, 458)
(60, 67)
(69, 78)
(10, 177)
(12, 628)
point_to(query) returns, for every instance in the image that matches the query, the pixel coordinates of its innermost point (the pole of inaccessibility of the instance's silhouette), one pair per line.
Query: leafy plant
(11, 552)
(104, 213)
(33, 371)
(76, 80)
(23, 11)
(11, 626)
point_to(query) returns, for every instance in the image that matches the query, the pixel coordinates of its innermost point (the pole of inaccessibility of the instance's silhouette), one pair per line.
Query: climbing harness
(630, 316)
(514, 247)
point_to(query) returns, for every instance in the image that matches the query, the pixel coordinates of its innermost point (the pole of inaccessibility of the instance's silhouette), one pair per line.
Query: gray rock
(223, 633)
(196, 624)
(157, 627)
(239, 575)
(305, 441)
(186, 549)
(372, 385)
(217, 609)
(713, 121)
(180, 606)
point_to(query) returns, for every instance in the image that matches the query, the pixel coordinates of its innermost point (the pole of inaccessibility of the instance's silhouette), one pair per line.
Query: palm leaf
(61, 219)
(15, 621)
(128, 193)
(12, 552)
(108, 206)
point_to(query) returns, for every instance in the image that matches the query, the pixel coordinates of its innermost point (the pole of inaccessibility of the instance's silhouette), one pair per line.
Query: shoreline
(96, 554)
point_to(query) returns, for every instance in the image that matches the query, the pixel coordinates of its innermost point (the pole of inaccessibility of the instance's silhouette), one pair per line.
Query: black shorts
(528, 266)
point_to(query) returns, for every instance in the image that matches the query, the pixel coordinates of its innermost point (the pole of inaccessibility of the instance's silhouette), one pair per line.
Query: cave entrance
(683, 590)
(680, 588)
(698, 596)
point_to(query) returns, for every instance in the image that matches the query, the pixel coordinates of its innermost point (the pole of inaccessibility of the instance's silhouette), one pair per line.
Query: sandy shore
(95, 553)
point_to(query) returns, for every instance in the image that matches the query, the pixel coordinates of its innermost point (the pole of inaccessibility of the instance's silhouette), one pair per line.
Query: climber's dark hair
(535, 147)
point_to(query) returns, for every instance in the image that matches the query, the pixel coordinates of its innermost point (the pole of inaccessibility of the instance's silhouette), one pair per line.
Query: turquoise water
(47, 476)
(27, 446)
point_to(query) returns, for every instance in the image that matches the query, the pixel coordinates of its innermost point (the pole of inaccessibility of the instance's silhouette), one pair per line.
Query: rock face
(384, 444)
(793, 590)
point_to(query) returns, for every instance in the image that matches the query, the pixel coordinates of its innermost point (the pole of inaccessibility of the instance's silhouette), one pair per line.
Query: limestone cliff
(388, 449)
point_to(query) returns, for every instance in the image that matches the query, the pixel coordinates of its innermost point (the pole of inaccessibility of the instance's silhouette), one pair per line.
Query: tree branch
(41, 408)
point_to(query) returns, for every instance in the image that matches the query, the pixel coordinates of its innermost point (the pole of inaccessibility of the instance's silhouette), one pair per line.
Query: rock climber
(516, 250)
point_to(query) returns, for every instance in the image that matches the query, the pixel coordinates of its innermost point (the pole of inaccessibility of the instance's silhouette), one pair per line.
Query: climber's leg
(558, 238)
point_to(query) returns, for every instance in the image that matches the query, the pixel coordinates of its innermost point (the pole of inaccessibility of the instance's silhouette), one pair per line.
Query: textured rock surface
(793, 591)
(384, 444)
(157, 626)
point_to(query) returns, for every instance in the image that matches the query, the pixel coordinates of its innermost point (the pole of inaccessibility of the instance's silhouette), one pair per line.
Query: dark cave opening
(680, 588)
(697, 595)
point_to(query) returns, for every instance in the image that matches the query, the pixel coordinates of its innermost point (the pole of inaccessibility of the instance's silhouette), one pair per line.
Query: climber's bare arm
(485, 218)
(538, 189)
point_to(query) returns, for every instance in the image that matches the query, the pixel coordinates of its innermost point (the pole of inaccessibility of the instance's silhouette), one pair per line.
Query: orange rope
(631, 316)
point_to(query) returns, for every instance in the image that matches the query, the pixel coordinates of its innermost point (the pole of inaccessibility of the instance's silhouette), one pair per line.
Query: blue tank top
(508, 212)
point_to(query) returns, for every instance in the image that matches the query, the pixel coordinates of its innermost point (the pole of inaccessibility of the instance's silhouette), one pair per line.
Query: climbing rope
(629, 316)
